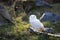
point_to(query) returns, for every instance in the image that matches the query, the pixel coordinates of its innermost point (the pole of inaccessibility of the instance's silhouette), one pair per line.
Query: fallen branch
(54, 35)
(49, 34)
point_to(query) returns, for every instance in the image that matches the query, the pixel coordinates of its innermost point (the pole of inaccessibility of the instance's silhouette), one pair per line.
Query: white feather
(35, 23)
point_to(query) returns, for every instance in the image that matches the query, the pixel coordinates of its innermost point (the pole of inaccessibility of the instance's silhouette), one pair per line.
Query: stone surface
(42, 3)
(49, 16)
(4, 15)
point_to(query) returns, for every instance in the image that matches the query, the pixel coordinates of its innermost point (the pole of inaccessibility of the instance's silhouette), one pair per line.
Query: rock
(49, 16)
(42, 3)
(4, 15)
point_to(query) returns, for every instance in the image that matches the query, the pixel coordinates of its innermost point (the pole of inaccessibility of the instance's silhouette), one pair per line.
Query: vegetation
(11, 32)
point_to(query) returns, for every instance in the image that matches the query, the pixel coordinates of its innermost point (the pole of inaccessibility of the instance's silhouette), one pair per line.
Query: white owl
(35, 23)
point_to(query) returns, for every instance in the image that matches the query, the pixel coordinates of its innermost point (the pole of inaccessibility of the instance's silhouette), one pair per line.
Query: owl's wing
(39, 24)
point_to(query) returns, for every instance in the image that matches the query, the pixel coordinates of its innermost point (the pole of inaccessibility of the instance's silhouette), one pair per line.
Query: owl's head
(32, 17)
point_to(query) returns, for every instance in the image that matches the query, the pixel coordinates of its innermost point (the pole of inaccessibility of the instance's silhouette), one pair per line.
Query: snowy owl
(37, 26)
